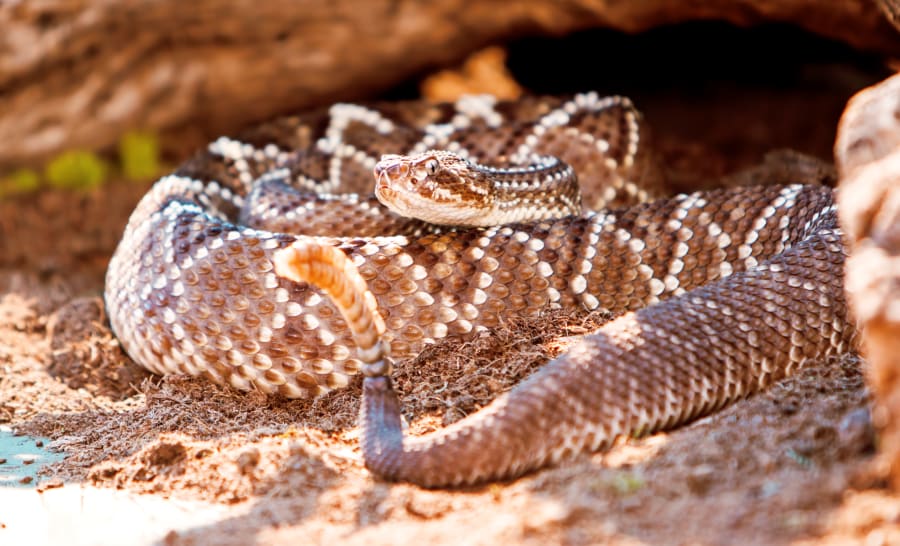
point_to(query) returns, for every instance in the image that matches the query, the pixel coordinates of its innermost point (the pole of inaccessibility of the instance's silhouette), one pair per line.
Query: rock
(867, 153)
(79, 74)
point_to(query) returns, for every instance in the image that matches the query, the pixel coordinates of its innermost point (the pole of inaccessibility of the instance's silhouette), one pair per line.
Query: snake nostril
(389, 170)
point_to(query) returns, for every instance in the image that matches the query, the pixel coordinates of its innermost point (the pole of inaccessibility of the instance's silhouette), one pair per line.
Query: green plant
(76, 169)
(19, 181)
(139, 155)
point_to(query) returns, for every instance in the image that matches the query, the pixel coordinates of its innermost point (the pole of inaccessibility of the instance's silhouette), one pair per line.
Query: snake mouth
(385, 193)
(382, 183)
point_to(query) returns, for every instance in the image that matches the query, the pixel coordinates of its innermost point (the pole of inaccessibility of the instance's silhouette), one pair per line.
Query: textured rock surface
(77, 74)
(868, 157)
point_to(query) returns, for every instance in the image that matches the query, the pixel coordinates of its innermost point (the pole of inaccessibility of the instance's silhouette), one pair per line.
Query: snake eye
(432, 166)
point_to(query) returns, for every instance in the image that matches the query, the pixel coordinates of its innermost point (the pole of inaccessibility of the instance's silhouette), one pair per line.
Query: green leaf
(20, 181)
(76, 169)
(139, 154)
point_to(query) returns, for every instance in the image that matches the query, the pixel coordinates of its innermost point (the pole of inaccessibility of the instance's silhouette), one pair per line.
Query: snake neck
(544, 190)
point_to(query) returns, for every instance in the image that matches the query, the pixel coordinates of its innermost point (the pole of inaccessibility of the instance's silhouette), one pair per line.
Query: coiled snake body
(724, 292)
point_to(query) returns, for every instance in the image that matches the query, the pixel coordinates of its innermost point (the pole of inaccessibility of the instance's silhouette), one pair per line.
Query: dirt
(793, 465)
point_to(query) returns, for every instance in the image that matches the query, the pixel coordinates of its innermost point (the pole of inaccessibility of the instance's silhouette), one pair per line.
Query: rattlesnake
(743, 285)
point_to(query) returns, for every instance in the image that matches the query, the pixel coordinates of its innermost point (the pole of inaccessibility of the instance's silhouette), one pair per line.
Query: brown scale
(275, 206)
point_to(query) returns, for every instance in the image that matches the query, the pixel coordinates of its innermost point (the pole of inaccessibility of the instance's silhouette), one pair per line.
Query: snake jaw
(382, 184)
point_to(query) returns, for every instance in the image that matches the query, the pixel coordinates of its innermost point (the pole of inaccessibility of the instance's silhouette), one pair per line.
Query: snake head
(436, 186)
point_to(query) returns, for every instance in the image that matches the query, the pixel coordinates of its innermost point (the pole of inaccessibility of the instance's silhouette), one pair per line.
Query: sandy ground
(790, 466)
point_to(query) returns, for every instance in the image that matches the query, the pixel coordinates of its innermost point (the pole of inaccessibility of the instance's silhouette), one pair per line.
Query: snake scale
(723, 292)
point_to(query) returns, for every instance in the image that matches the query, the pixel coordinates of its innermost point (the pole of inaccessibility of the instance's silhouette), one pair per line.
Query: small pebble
(701, 479)
(856, 434)
(49, 484)
(26, 479)
(769, 488)
(248, 460)
(202, 453)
